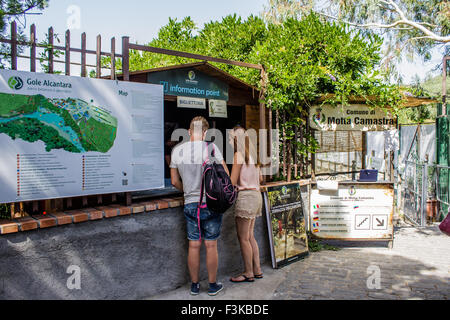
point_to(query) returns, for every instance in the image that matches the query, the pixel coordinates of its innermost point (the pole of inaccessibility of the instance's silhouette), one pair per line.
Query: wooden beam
(113, 59)
(126, 58)
(50, 50)
(13, 45)
(99, 57)
(193, 56)
(67, 53)
(33, 48)
(83, 55)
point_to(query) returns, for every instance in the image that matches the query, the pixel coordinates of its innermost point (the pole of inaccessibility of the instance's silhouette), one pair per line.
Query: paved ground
(418, 267)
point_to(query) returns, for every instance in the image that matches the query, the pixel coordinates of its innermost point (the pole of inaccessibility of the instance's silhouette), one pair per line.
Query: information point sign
(70, 136)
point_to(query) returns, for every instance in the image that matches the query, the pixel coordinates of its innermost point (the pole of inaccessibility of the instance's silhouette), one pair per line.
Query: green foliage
(15, 10)
(315, 245)
(32, 130)
(400, 39)
(4, 211)
(304, 59)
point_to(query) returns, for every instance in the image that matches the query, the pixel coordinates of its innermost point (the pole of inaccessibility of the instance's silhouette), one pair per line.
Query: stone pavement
(418, 267)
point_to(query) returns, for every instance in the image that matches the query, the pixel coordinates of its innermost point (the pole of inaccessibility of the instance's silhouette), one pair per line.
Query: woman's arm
(236, 170)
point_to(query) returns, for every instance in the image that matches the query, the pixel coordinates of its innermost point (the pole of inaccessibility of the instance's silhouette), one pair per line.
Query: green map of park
(70, 124)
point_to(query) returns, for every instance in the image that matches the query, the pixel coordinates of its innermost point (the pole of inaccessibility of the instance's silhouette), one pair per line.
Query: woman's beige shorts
(248, 204)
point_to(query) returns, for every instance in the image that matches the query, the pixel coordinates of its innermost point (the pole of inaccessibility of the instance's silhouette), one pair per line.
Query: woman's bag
(445, 225)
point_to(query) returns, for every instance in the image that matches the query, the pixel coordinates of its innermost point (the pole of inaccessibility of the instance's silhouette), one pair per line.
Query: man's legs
(212, 260)
(194, 259)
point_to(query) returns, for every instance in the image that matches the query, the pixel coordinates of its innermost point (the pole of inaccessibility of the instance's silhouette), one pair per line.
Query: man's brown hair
(205, 124)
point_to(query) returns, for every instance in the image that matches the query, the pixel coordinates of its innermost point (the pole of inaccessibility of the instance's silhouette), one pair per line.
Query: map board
(66, 136)
(286, 223)
(354, 211)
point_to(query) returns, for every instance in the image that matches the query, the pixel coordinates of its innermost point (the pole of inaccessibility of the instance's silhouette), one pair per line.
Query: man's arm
(176, 179)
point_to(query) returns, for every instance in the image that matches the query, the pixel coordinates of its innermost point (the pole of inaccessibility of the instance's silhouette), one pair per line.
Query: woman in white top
(246, 175)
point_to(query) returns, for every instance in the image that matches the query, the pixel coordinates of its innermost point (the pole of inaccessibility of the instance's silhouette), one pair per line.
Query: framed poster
(70, 136)
(286, 223)
(218, 109)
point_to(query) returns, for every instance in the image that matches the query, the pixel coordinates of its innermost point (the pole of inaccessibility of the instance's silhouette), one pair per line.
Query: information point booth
(200, 89)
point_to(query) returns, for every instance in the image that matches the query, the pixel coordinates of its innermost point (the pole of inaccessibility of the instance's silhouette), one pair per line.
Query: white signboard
(189, 102)
(353, 117)
(70, 136)
(218, 109)
(360, 211)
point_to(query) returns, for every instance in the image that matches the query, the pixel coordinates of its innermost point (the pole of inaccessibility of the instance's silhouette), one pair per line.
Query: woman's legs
(255, 249)
(243, 232)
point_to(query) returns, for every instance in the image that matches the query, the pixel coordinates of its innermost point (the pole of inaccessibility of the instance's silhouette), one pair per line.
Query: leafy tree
(304, 59)
(309, 58)
(408, 26)
(17, 10)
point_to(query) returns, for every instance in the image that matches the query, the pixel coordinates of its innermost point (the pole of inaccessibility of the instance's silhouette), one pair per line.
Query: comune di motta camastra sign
(353, 117)
(70, 136)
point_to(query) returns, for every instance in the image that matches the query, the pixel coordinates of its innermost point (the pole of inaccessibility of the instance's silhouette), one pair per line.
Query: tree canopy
(17, 10)
(408, 27)
(304, 59)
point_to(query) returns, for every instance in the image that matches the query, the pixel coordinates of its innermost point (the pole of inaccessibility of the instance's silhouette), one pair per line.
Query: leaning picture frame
(286, 223)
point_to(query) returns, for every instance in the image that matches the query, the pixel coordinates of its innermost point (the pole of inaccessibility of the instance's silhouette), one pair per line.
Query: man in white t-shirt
(186, 169)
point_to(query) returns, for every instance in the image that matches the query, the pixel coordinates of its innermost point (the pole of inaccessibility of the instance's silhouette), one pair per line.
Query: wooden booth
(201, 89)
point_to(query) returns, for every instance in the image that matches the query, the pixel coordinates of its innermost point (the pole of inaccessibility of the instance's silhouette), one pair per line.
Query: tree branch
(402, 21)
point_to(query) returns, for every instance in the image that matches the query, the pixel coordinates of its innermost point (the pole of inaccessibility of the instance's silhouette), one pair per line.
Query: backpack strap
(200, 201)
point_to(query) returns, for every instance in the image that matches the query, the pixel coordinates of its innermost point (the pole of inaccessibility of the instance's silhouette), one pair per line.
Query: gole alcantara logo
(15, 83)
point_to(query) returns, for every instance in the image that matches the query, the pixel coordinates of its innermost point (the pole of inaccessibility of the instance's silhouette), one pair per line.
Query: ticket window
(175, 118)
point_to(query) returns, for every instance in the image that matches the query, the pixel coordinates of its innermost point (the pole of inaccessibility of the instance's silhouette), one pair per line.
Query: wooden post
(69, 203)
(128, 199)
(83, 54)
(13, 45)
(284, 146)
(270, 139)
(277, 126)
(12, 208)
(50, 50)
(363, 153)
(444, 85)
(126, 58)
(99, 57)
(35, 206)
(67, 53)
(33, 48)
(113, 59)
(84, 200)
(99, 199)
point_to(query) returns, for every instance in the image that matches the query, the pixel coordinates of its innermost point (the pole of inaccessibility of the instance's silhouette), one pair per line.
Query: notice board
(354, 212)
(70, 136)
(286, 223)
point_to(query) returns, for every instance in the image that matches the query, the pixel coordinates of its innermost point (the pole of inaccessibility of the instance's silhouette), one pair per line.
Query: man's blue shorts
(210, 223)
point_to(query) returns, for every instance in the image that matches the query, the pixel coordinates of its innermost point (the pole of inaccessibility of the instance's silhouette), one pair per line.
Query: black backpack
(220, 193)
